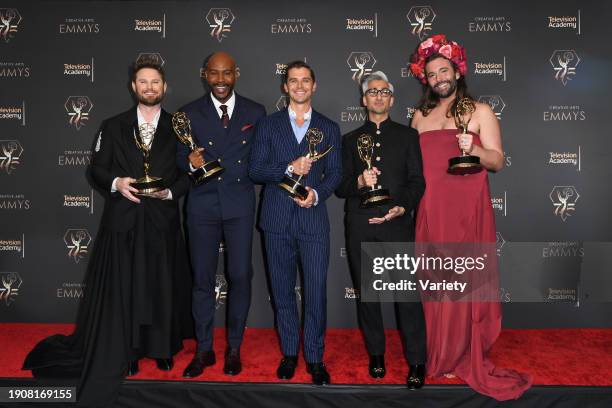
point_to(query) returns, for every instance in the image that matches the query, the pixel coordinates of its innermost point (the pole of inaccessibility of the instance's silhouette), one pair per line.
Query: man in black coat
(136, 302)
(396, 167)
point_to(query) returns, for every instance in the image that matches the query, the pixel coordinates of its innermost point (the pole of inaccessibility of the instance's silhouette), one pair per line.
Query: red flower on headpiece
(437, 44)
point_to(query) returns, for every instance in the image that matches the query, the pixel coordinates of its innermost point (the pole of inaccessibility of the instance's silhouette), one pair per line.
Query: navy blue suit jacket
(233, 191)
(274, 148)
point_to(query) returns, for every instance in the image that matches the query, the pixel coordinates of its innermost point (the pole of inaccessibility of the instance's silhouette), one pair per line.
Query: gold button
(210, 143)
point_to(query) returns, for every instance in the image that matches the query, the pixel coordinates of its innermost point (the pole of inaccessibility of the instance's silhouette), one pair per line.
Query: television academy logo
(14, 70)
(14, 112)
(410, 111)
(80, 70)
(79, 201)
(78, 109)
(565, 22)
(566, 159)
(11, 282)
(9, 23)
(352, 293)
(564, 63)
(77, 241)
(220, 21)
(151, 56)
(16, 246)
(361, 64)
(491, 69)
(151, 25)
(10, 151)
(421, 18)
(282, 103)
(363, 24)
(496, 103)
(500, 204)
(220, 290)
(564, 200)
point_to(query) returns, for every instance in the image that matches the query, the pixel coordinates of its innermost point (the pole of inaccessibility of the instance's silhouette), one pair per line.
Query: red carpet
(552, 356)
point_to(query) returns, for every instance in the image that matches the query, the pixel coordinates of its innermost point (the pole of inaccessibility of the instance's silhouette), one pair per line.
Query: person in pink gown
(457, 209)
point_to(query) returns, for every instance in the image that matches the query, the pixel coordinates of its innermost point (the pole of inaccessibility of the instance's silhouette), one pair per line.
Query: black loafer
(201, 360)
(232, 365)
(286, 368)
(416, 376)
(165, 364)
(319, 373)
(377, 366)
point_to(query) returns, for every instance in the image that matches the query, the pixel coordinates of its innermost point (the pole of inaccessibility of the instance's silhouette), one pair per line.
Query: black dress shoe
(286, 368)
(319, 373)
(377, 366)
(165, 364)
(232, 366)
(201, 360)
(416, 376)
(132, 368)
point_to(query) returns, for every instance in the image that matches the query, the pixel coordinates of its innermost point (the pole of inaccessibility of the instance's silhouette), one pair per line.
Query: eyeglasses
(385, 92)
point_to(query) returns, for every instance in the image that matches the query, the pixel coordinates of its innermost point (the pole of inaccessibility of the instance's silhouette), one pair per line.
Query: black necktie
(225, 117)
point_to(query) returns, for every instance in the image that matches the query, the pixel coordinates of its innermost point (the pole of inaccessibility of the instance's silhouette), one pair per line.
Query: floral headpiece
(437, 44)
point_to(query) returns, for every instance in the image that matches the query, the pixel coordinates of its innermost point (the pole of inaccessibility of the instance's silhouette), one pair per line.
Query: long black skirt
(137, 304)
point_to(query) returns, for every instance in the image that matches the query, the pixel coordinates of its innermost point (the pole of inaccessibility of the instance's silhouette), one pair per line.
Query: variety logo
(11, 282)
(361, 64)
(10, 155)
(564, 200)
(77, 241)
(564, 63)
(78, 109)
(421, 18)
(220, 21)
(9, 23)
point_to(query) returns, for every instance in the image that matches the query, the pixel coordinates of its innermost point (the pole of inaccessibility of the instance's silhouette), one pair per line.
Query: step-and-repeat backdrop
(543, 67)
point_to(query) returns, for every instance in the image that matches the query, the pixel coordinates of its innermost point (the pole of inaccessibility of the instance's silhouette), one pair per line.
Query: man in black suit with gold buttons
(396, 166)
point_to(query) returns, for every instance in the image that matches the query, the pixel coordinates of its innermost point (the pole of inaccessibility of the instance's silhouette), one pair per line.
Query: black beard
(451, 88)
(151, 102)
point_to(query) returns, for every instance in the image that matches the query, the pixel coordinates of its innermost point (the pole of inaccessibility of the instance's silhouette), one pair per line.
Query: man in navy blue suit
(222, 208)
(295, 227)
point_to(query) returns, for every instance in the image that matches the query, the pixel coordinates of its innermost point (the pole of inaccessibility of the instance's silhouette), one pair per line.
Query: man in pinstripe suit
(297, 227)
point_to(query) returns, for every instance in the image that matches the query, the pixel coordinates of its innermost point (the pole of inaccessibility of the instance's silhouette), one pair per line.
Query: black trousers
(411, 322)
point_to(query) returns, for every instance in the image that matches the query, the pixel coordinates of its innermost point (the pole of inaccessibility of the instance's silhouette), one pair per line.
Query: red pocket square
(246, 127)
